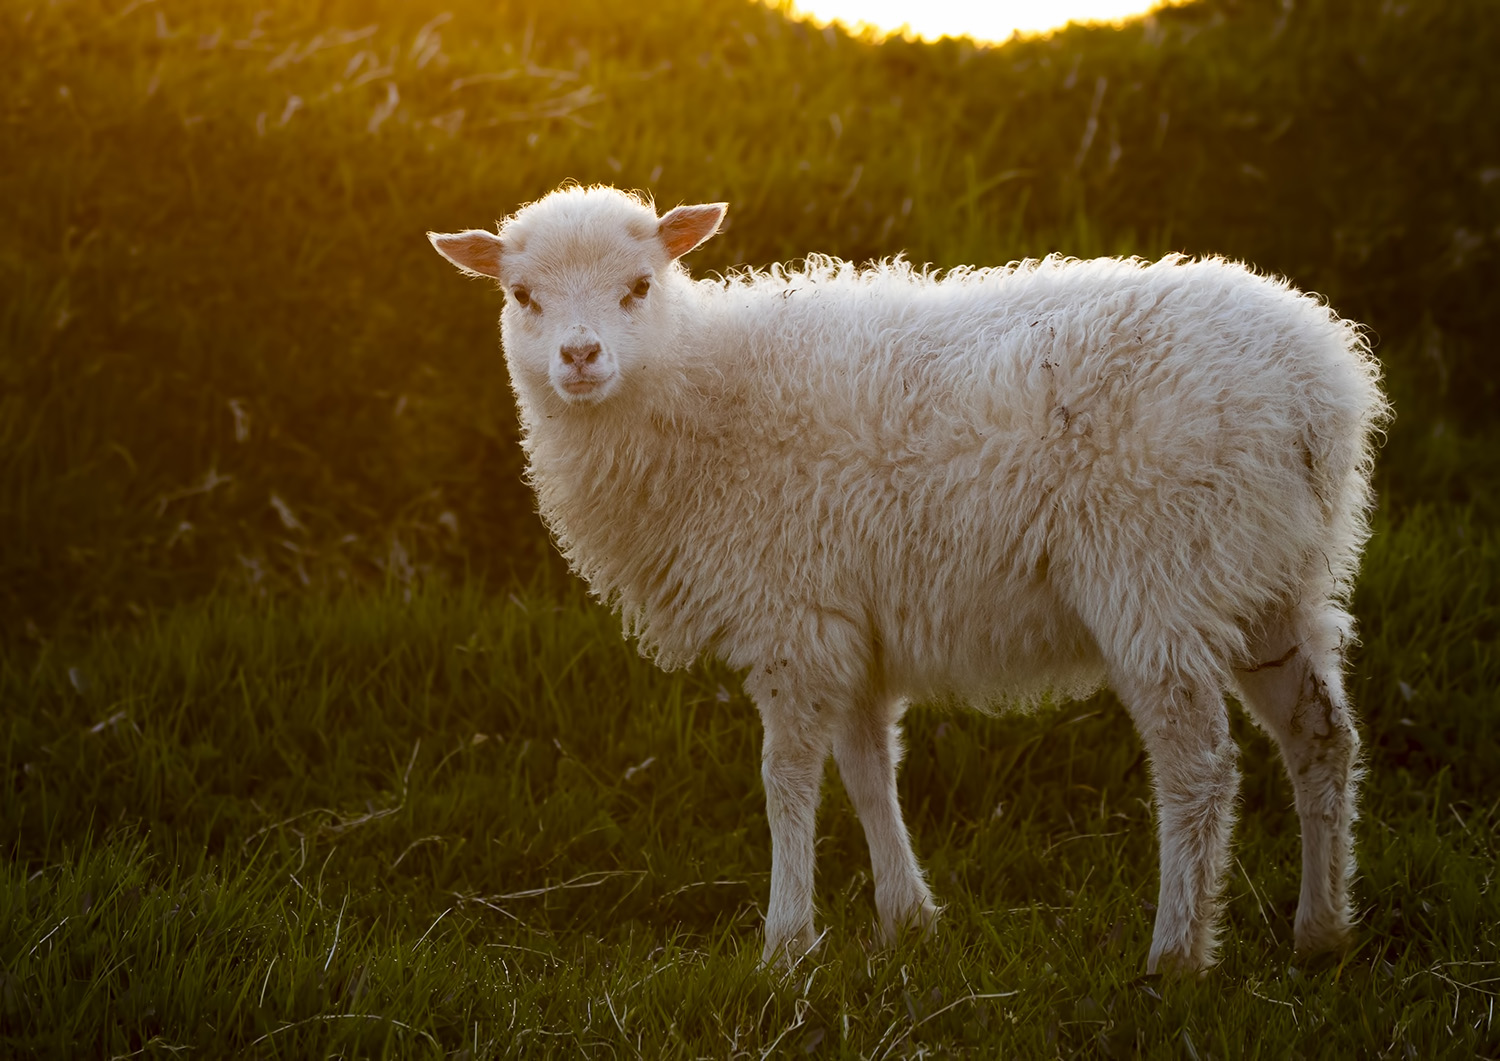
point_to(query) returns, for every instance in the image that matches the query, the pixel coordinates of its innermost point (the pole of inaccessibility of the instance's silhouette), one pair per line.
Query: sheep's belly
(994, 643)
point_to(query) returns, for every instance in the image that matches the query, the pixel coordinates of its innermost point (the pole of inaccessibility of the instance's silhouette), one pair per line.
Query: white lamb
(872, 485)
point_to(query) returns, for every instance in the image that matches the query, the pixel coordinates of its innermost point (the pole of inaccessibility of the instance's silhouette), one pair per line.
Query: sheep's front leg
(867, 748)
(1195, 776)
(796, 746)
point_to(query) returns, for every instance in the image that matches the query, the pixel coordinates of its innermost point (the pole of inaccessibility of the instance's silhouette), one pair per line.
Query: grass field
(310, 746)
(425, 821)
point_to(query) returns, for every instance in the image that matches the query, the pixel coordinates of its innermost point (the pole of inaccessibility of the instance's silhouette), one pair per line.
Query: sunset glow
(994, 20)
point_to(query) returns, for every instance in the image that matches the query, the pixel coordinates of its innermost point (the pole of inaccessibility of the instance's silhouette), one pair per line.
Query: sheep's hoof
(784, 953)
(1314, 939)
(918, 922)
(1177, 965)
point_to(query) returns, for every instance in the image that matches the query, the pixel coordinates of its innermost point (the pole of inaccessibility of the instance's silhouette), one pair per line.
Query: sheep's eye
(637, 291)
(523, 296)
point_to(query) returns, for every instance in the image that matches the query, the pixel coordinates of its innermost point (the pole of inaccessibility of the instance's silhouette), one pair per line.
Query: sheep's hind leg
(1185, 729)
(795, 748)
(1295, 689)
(867, 748)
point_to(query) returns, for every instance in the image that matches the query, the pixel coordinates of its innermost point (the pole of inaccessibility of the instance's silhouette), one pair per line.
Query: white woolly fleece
(981, 479)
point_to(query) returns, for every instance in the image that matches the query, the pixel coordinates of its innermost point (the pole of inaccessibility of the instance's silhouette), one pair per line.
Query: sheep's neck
(608, 485)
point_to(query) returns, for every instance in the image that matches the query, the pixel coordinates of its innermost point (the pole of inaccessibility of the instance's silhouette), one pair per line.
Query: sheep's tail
(1340, 442)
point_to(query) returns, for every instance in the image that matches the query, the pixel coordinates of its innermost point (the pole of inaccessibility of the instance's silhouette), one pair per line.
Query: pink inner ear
(475, 251)
(684, 228)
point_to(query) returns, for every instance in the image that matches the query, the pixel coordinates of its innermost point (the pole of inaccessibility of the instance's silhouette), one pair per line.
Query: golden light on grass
(992, 20)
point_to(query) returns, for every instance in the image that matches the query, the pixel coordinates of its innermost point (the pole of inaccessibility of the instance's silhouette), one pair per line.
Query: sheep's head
(584, 272)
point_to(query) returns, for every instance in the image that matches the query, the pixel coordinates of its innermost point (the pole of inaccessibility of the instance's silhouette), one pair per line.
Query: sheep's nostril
(580, 353)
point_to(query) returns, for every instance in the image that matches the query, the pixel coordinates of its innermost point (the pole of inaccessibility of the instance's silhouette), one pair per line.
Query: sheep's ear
(682, 229)
(475, 252)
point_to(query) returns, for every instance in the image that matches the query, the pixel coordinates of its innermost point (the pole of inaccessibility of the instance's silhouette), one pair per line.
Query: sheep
(868, 486)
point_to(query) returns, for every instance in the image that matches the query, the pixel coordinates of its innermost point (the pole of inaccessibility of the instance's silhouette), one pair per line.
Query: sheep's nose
(581, 353)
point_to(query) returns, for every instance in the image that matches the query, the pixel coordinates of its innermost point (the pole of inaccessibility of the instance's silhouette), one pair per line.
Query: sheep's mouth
(584, 388)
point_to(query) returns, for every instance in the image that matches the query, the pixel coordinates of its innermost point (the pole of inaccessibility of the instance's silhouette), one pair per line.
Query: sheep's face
(580, 317)
(586, 274)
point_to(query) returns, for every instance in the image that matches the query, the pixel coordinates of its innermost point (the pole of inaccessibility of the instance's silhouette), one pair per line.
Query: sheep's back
(971, 478)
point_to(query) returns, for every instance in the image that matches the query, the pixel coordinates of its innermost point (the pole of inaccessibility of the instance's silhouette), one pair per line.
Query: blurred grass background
(311, 747)
(226, 351)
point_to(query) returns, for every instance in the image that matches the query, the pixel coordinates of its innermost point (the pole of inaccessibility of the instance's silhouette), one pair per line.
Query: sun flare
(993, 20)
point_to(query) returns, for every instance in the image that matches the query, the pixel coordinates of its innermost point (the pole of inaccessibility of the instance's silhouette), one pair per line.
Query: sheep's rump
(993, 482)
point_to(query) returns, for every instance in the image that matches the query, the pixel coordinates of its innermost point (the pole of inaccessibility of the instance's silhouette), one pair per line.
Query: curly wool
(972, 482)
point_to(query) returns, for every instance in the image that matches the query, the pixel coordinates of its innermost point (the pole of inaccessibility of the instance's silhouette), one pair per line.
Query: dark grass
(310, 747)
(426, 820)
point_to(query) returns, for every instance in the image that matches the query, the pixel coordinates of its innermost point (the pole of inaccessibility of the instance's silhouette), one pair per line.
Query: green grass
(423, 821)
(310, 748)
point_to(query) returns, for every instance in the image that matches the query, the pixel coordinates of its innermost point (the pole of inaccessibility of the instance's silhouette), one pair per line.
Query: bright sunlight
(989, 20)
